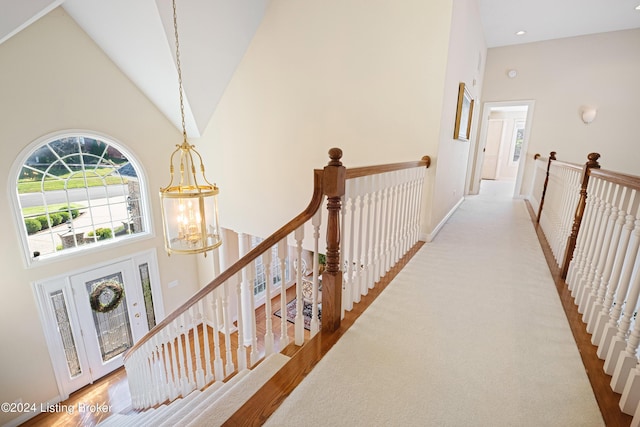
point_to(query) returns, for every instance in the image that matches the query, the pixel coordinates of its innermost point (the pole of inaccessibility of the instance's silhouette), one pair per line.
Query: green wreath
(106, 296)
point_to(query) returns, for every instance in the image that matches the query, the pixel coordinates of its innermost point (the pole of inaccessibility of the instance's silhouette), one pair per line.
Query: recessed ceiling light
(521, 33)
(638, 7)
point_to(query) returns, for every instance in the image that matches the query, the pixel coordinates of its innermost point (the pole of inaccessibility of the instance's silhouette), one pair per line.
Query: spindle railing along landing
(598, 257)
(378, 225)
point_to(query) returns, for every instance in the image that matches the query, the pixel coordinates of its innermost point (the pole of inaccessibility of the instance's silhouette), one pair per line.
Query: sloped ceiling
(139, 37)
(214, 34)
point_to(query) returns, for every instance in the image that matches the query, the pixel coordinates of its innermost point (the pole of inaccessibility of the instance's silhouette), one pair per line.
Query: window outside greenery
(75, 191)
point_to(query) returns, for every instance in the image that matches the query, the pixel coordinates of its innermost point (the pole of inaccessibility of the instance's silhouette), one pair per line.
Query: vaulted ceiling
(214, 35)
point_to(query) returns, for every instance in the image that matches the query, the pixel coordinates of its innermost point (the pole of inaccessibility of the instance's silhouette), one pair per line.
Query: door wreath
(106, 296)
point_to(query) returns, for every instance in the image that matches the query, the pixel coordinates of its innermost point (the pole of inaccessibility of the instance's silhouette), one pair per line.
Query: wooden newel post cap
(593, 160)
(335, 154)
(334, 175)
(536, 156)
(427, 159)
(552, 155)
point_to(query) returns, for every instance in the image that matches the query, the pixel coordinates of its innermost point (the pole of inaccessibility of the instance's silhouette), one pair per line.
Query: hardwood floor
(607, 399)
(110, 394)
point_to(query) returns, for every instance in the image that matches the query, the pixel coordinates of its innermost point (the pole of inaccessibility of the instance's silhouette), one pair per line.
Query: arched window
(76, 191)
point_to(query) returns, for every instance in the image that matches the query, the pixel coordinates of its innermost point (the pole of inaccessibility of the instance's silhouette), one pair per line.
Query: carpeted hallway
(470, 333)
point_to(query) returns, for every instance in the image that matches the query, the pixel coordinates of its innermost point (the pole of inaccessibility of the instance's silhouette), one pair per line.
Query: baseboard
(429, 237)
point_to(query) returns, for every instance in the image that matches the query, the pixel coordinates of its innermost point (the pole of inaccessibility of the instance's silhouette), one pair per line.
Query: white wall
(466, 61)
(562, 75)
(54, 78)
(368, 79)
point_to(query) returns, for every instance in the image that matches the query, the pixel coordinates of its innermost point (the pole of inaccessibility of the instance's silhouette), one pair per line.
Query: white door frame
(51, 333)
(474, 171)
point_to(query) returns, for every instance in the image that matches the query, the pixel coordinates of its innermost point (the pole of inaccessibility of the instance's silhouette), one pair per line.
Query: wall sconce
(588, 114)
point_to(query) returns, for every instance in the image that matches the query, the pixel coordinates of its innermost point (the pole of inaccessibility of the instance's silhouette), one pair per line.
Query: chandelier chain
(175, 29)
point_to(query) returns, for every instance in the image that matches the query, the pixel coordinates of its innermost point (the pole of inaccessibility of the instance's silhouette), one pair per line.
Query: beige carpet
(470, 333)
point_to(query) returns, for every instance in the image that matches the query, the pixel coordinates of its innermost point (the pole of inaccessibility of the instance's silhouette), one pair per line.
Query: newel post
(552, 156)
(592, 163)
(333, 185)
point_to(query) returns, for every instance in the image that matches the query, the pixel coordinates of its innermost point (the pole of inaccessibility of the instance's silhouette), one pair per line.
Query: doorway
(86, 342)
(502, 145)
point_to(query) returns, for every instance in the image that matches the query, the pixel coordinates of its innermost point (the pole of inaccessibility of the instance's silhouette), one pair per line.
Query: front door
(107, 335)
(87, 332)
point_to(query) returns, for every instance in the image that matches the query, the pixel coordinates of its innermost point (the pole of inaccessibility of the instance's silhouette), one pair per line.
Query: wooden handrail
(568, 165)
(373, 170)
(631, 181)
(265, 245)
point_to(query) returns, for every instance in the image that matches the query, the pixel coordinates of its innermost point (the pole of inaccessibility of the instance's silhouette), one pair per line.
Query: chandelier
(189, 205)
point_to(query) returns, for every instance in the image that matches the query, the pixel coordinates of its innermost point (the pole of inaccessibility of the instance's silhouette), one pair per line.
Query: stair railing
(601, 265)
(380, 223)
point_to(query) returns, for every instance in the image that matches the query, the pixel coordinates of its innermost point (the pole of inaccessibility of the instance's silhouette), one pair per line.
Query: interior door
(107, 335)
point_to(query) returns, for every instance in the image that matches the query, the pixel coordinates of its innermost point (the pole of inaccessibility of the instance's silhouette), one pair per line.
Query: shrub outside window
(75, 191)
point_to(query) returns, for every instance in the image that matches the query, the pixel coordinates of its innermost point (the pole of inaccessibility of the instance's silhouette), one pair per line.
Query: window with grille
(75, 191)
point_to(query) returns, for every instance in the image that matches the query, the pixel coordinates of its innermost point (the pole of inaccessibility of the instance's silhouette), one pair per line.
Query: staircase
(209, 407)
(372, 221)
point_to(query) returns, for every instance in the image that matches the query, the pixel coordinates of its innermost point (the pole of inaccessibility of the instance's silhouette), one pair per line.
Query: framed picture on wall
(462, 128)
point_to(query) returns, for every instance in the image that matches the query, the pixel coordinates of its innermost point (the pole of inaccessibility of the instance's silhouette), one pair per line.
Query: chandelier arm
(193, 168)
(202, 169)
(171, 169)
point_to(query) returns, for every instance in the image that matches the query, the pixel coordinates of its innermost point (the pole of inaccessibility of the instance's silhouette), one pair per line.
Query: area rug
(307, 311)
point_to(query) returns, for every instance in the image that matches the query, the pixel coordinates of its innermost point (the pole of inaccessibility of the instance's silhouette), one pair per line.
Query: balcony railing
(591, 220)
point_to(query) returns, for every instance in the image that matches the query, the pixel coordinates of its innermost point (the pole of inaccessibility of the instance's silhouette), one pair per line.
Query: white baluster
(187, 349)
(163, 388)
(346, 250)
(419, 190)
(592, 233)
(199, 372)
(395, 216)
(594, 250)
(386, 217)
(360, 284)
(282, 255)
(606, 284)
(172, 345)
(254, 355)
(268, 336)
(403, 220)
(377, 235)
(368, 235)
(315, 222)
(629, 305)
(228, 326)
(183, 375)
(619, 280)
(599, 255)
(242, 350)
(218, 369)
(598, 288)
(299, 321)
(208, 367)
(627, 359)
(247, 292)
(577, 263)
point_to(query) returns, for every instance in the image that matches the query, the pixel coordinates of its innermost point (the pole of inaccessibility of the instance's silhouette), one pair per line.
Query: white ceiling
(214, 34)
(553, 19)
